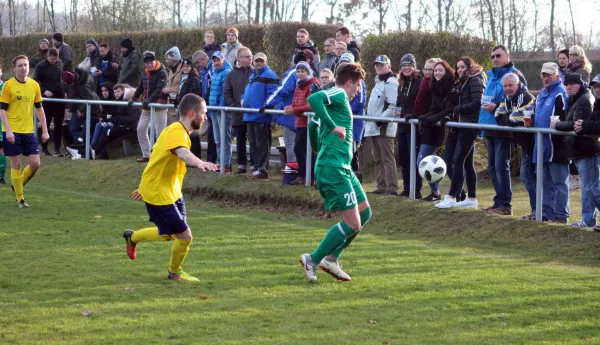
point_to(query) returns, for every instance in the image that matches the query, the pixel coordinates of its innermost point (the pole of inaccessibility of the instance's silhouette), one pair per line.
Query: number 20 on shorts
(350, 198)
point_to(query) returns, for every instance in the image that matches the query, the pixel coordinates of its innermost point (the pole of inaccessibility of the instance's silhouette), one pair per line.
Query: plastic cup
(487, 99)
(554, 118)
(396, 111)
(527, 118)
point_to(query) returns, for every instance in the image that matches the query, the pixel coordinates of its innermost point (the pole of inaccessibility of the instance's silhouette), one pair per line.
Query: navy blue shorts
(170, 219)
(25, 144)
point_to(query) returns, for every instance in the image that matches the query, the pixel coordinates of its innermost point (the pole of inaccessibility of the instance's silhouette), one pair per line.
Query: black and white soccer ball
(432, 169)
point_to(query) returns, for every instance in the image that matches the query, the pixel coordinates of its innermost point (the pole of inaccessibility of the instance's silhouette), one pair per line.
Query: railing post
(88, 125)
(413, 159)
(222, 142)
(152, 127)
(308, 156)
(539, 188)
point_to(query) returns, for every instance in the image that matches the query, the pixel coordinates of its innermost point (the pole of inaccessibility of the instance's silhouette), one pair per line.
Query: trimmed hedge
(531, 70)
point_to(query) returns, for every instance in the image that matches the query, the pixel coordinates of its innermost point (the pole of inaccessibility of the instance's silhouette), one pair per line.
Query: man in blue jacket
(215, 98)
(262, 84)
(498, 143)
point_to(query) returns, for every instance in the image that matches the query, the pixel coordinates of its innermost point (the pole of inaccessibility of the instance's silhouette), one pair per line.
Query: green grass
(423, 277)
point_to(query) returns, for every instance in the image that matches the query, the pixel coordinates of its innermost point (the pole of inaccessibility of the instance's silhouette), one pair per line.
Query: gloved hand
(130, 102)
(262, 110)
(445, 120)
(145, 103)
(409, 117)
(422, 121)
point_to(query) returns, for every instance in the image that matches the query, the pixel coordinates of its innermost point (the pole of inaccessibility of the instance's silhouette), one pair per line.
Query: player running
(161, 183)
(330, 132)
(19, 97)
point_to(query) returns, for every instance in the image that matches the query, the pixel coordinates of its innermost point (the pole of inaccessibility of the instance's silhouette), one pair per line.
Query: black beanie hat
(301, 56)
(573, 78)
(127, 43)
(58, 36)
(149, 56)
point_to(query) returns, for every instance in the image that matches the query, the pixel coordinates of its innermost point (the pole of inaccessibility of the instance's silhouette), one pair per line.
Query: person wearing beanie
(64, 51)
(40, 55)
(583, 150)
(93, 52)
(129, 70)
(231, 47)
(174, 75)
(190, 82)
(329, 60)
(408, 59)
(304, 43)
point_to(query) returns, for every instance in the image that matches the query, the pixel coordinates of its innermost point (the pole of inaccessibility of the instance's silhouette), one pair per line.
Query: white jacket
(383, 92)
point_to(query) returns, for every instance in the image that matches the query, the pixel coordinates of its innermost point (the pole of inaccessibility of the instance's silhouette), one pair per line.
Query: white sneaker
(334, 269)
(467, 203)
(74, 153)
(93, 153)
(448, 202)
(310, 269)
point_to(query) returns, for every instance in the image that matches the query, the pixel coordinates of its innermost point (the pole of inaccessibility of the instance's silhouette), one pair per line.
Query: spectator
(563, 62)
(153, 80)
(107, 69)
(204, 70)
(174, 75)
(340, 49)
(40, 55)
(49, 75)
(235, 84)
(209, 43)
(582, 150)
(222, 68)
(307, 84)
(105, 120)
(64, 51)
(231, 47)
(123, 121)
(343, 35)
(190, 82)
(518, 104)
(432, 137)
(409, 82)
(263, 83)
(382, 134)
(79, 88)
(579, 63)
(93, 51)
(498, 143)
(471, 85)
(327, 79)
(552, 101)
(129, 72)
(303, 43)
(330, 56)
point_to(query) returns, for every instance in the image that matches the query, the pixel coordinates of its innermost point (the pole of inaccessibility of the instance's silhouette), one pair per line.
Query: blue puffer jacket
(494, 88)
(218, 83)
(358, 104)
(261, 86)
(554, 145)
(283, 97)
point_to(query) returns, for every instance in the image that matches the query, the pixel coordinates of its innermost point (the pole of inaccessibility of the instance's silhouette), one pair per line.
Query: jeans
(97, 133)
(428, 150)
(463, 165)
(289, 140)
(499, 170)
(215, 116)
(160, 122)
(555, 203)
(75, 127)
(259, 136)
(528, 176)
(211, 150)
(241, 138)
(404, 161)
(589, 174)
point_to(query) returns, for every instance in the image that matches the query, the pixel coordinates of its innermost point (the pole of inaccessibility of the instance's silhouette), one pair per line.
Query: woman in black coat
(190, 82)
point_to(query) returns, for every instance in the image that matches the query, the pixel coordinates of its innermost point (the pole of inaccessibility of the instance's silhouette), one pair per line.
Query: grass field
(66, 278)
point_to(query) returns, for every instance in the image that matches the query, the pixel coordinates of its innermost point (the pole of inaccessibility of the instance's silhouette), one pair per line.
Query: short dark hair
(500, 46)
(343, 30)
(190, 102)
(349, 71)
(53, 52)
(120, 86)
(564, 51)
(304, 31)
(104, 45)
(20, 57)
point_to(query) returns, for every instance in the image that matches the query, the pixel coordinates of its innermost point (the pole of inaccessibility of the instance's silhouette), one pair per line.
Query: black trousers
(259, 136)
(211, 151)
(241, 137)
(54, 111)
(300, 151)
(109, 135)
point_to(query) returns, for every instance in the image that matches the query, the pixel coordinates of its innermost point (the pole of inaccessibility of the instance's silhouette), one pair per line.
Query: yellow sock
(27, 175)
(150, 234)
(178, 254)
(17, 181)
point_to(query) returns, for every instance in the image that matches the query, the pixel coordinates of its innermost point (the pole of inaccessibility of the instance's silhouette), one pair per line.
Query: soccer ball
(432, 169)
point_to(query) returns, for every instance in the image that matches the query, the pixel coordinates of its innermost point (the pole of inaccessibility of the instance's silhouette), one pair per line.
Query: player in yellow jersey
(161, 183)
(19, 97)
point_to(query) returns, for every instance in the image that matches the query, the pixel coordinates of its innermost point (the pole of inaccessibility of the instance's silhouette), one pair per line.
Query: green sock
(2, 165)
(335, 238)
(365, 216)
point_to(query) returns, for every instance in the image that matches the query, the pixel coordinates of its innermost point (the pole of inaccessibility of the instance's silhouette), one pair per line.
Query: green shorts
(339, 187)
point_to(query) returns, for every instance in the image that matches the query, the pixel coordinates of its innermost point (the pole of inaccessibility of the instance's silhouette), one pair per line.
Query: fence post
(88, 125)
(152, 127)
(539, 188)
(413, 159)
(308, 156)
(222, 142)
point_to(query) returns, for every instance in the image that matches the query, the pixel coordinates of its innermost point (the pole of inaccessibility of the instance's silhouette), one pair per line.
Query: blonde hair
(326, 70)
(587, 66)
(433, 61)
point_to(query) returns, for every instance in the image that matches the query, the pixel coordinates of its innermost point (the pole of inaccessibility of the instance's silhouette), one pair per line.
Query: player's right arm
(4, 101)
(317, 103)
(190, 159)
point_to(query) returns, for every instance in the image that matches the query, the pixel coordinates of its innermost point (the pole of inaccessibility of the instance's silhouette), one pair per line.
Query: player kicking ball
(330, 132)
(161, 183)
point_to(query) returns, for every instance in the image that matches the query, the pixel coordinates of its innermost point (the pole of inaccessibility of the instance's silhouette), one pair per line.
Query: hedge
(531, 70)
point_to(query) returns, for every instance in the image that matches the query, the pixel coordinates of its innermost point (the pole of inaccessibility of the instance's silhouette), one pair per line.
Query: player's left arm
(37, 102)
(190, 159)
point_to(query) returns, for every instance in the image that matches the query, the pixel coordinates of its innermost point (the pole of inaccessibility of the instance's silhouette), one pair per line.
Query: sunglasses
(497, 56)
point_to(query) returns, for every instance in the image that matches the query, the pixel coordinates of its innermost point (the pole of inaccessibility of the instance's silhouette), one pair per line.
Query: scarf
(302, 82)
(440, 88)
(421, 104)
(574, 66)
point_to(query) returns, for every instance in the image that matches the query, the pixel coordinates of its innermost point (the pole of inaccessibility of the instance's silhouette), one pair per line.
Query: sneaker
(73, 152)
(579, 224)
(488, 209)
(530, 216)
(93, 153)
(300, 181)
(310, 269)
(45, 153)
(142, 160)
(241, 171)
(182, 276)
(596, 228)
(334, 269)
(431, 198)
(260, 175)
(467, 203)
(130, 244)
(404, 194)
(559, 220)
(448, 202)
(22, 204)
(57, 153)
(574, 182)
(502, 211)
(2, 180)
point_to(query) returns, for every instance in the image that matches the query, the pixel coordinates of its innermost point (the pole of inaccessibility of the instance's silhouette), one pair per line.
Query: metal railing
(413, 138)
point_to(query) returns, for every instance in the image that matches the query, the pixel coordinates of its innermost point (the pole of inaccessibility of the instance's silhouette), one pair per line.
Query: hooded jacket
(300, 102)
(174, 75)
(469, 100)
(95, 55)
(65, 55)
(354, 49)
(580, 107)
(283, 97)
(261, 86)
(50, 78)
(191, 84)
(383, 97)
(81, 90)
(125, 116)
(407, 94)
(210, 49)
(235, 85)
(151, 83)
(510, 113)
(551, 101)
(217, 85)
(129, 72)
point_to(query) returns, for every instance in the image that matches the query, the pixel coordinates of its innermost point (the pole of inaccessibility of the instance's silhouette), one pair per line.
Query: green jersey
(332, 109)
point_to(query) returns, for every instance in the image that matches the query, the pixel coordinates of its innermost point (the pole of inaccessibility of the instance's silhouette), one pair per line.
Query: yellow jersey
(163, 177)
(20, 98)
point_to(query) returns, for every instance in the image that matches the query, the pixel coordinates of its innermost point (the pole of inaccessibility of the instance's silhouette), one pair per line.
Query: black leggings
(462, 163)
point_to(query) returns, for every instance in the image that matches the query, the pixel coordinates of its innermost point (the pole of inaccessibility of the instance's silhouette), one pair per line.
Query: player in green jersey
(330, 132)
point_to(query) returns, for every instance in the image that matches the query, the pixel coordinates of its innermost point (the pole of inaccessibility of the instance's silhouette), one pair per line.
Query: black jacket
(81, 90)
(354, 49)
(126, 117)
(580, 108)
(235, 85)
(440, 103)
(469, 100)
(108, 109)
(407, 93)
(191, 85)
(210, 49)
(151, 84)
(37, 58)
(110, 74)
(561, 154)
(129, 70)
(50, 78)
(65, 55)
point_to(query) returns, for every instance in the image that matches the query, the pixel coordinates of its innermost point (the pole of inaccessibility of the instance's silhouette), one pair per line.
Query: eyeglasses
(497, 56)
(573, 54)
(427, 69)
